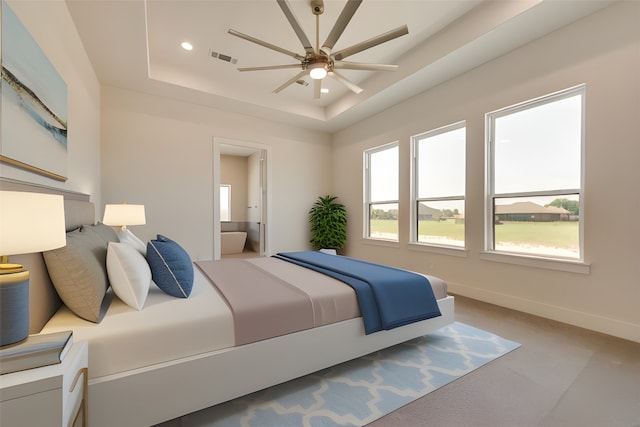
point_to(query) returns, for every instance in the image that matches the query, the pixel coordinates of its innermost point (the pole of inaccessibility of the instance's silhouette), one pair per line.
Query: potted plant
(328, 220)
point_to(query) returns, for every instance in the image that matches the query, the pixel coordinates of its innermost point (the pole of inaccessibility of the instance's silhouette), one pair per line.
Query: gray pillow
(107, 233)
(79, 274)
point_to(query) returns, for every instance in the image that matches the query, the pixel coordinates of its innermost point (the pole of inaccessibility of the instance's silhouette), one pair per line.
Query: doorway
(241, 199)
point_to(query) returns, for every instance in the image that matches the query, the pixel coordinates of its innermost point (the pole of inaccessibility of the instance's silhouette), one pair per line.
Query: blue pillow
(171, 267)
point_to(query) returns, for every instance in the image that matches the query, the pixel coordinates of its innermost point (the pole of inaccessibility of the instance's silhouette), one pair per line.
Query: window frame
(228, 187)
(367, 202)
(551, 261)
(415, 199)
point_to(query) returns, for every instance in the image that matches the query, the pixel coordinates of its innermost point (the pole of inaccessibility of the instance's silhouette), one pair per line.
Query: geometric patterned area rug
(360, 391)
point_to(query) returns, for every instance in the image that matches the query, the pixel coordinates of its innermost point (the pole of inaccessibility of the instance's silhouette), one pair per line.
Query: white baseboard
(581, 319)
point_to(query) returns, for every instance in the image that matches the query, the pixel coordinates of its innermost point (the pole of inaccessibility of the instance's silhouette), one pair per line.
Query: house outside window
(381, 192)
(535, 177)
(439, 186)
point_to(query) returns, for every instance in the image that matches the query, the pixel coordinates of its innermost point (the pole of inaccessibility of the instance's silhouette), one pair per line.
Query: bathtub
(232, 242)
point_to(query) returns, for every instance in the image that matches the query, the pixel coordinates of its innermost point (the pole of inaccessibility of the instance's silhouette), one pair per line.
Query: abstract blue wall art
(34, 104)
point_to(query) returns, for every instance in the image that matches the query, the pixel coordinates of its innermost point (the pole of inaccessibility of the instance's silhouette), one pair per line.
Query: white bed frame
(153, 394)
(162, 392)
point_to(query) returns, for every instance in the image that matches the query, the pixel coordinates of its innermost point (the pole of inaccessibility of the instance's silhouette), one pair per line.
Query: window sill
(444, 250)
(570, 266)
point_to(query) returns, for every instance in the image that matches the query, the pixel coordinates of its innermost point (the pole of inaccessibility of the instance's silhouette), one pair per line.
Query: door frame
(219, 144)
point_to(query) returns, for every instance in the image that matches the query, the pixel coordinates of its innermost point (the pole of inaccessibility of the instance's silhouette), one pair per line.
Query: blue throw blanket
(388, 297)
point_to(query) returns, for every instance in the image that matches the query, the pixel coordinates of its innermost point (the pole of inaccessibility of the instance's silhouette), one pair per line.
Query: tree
(573, 206)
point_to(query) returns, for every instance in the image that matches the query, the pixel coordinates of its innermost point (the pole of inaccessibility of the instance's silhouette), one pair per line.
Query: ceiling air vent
(223, 57)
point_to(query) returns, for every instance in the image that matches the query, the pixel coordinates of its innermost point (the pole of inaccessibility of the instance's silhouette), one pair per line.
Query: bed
(179, 355)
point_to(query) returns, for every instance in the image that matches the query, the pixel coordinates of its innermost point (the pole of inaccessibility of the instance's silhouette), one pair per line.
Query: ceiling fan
(322, 61)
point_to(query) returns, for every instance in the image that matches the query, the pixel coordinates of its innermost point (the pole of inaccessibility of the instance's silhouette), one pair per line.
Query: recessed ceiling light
(186, 46)
(324, 90)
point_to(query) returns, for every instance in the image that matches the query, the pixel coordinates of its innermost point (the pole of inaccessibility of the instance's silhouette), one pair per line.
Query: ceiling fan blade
(317, 88)
(266, 44)
(270, 67)
(344, 65)
(382, 38)
(348, 83)
(297, 28)
(291, 81)
(341, 23)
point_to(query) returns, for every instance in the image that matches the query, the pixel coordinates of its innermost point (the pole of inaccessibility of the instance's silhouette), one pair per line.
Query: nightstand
(54, 395)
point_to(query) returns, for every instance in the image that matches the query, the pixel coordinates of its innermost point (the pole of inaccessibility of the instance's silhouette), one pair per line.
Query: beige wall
(50, 24)
(159, 152)
(603, 51)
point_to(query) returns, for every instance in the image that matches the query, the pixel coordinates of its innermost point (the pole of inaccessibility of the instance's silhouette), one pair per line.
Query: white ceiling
(135, 44)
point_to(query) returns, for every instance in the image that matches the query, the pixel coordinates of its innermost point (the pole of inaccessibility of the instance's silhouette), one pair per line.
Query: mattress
(166, 329)
(169, 328)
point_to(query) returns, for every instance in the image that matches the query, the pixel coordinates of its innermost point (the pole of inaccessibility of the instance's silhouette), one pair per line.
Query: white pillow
(129, 274)
(126, 236)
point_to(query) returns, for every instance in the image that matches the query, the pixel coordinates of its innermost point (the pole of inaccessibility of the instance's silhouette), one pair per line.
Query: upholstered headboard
(43, 299)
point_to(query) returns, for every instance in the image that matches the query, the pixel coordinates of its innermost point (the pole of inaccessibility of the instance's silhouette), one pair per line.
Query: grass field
(562, 234)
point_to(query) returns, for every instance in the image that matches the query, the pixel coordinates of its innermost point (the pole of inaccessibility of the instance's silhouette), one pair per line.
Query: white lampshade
(31, 222)
(124, 214)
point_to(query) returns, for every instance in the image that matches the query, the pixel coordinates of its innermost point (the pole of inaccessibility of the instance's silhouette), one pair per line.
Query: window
(225, 203)
(381, 192)
(439, 186)
(535, 177)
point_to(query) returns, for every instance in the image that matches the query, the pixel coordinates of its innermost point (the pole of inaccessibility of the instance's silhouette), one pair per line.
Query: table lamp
(122, 216)
(29, 222)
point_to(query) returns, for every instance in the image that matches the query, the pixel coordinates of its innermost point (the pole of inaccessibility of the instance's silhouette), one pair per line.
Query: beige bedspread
(269, 297)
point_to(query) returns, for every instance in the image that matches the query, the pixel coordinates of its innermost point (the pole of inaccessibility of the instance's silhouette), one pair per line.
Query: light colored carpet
(363, 390)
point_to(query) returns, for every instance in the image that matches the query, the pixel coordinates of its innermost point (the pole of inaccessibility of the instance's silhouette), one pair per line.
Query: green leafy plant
(328, 220)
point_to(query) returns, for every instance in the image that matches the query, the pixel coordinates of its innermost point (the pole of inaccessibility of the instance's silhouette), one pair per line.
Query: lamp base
(14, 307)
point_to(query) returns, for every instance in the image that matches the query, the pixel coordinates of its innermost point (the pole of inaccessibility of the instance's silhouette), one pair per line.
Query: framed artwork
(34, 104)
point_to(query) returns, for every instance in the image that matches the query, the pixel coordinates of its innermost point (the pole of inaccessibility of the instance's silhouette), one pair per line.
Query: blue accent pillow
(171, 267)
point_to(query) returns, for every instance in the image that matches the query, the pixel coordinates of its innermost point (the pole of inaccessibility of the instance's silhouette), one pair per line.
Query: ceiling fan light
(318, 72)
